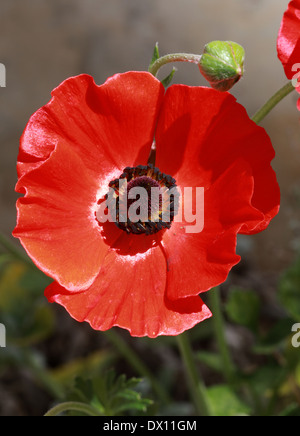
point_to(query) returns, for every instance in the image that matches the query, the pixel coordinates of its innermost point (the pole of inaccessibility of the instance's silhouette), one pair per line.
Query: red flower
(288, 42)
(81, 141)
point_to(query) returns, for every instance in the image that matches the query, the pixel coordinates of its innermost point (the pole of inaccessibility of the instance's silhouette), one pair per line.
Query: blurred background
(44, 42)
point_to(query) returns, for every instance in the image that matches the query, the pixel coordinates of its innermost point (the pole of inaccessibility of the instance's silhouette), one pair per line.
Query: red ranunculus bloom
(288, 42)
(89, 136)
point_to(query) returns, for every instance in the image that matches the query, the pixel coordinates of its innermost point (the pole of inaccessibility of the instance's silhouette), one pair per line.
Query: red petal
(111, 124)
(199, 261)
(56, 220)
(288, 42)
(69, 152)
(205, 132)
(130, 293)
(213, 144)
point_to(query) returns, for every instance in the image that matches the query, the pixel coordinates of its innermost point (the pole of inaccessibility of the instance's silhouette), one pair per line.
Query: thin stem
(195, 383)
(135, 361)
(12, 249)
(73, 406)
(219, 327)
(175, 57)
(272, 102)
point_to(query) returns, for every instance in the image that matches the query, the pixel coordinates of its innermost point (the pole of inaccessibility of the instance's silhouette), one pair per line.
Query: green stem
(195, 383)
(175, 57)
(272, 102)
(12, 249)
(219, 327)
(135, 361)
(73, 406)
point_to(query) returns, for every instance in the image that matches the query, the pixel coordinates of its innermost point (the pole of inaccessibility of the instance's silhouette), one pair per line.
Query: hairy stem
(175, 57)
(272, 102)
(73, 406)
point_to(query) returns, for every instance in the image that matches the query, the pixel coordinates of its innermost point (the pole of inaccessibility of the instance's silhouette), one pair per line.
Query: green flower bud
(222, 64)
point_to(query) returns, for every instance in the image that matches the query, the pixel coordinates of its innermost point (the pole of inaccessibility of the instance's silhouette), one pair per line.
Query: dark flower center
(143, 200)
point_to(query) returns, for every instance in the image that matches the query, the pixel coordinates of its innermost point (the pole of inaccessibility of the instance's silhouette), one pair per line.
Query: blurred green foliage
(110, 394)
(24, 312)
(289, 291)
(243, 307)
(270, 386)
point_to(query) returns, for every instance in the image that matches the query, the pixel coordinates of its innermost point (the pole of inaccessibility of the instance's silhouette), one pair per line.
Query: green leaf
(167, 80)
(289, 290)
(276, 337)
(224, 402)
(109, 394)
(140, 406)
(243, 307)
(128, 394)
(155, 55)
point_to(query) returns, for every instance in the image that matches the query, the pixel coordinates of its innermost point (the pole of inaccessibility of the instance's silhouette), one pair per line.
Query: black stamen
(146, 177)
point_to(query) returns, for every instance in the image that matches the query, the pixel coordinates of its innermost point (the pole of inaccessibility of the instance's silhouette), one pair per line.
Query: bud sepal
(222, 64)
